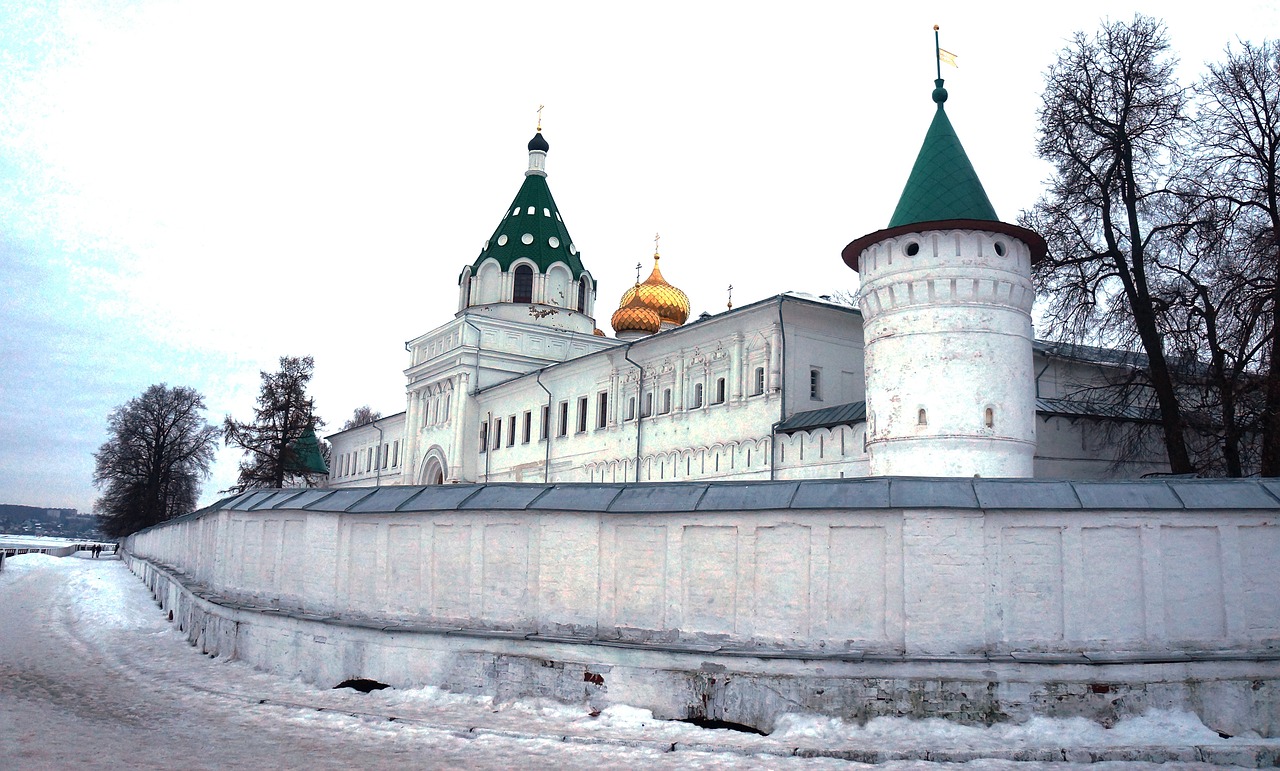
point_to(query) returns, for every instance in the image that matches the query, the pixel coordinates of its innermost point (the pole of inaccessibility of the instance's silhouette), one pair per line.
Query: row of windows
(492, 433)
(369, 459)
(522, 288)
(436, 409)
(922, 418)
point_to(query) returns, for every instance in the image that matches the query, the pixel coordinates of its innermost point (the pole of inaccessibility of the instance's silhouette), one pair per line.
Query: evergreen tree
(279, 445)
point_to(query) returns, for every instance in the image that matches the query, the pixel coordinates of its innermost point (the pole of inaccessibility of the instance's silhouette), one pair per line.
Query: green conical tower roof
(307, 458)
(943, 191)
(532, 226)
(943, 184)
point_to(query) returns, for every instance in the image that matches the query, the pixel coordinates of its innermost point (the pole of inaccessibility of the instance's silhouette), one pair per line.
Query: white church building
(935, 373)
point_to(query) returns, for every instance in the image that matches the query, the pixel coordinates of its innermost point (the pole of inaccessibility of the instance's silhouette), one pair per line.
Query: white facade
(713, 392)
(522, 386)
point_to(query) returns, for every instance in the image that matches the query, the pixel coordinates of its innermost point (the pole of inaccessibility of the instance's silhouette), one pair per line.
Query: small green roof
(532, 227)
(943, 184)
(307, 458)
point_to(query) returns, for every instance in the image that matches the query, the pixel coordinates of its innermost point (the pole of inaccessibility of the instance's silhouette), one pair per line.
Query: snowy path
(93, 676)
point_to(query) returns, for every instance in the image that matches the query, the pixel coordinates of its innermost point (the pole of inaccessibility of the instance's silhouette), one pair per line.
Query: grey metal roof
(839, 415)
(1073, 408)
(856, 412)
(872, 493)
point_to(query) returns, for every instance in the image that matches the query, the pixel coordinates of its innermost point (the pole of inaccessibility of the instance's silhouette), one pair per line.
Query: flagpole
(937, 52)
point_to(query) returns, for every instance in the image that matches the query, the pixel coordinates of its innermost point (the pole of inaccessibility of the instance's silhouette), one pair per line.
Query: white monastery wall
(752, 565)
(975, 600)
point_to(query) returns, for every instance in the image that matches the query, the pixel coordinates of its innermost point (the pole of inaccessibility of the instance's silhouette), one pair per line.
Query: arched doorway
(433, 473)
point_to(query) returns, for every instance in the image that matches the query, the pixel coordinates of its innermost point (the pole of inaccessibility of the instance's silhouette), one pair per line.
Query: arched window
(523, 292)
(466, 288)
(697, 395)
(922, 419)
(719, 390)
(582, 295)
(989, 418)
(666, 400)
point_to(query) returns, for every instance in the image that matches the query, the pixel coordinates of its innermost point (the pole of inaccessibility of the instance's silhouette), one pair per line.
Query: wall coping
(884, 493)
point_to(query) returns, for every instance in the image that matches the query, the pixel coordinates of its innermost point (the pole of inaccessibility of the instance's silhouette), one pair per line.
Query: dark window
(484, 437)
(546, 422)
(582, 414)
(564, 419)
(759, 384)
(511, 430)
(602, 409)
(523, 285)
(528, 425)
(719, 390)
(582, 295)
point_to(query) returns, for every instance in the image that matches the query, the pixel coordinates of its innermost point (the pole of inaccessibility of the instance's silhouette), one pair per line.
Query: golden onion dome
(599, 332)
(635, 316)
(671, 304)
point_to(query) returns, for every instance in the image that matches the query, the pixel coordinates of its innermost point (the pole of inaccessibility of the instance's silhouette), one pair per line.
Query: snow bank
(1157, 727)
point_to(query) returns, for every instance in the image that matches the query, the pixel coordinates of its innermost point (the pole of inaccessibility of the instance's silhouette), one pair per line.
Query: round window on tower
(553, 242)
(1000, 248)
(526, 239)
(911, 249)
(502, 240)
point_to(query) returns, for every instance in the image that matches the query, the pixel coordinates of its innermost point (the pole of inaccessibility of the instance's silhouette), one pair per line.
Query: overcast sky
(189, 191)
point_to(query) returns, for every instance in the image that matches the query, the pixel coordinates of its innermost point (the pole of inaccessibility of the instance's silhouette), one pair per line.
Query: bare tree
(1234, 191)
(362, 416)
(1112, 118)
(149, 470)
(279, 444)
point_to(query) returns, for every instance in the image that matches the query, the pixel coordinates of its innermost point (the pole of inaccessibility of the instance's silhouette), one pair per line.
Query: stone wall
(973, 599)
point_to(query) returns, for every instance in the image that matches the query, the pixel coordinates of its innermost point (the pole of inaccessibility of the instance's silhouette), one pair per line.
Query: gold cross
(540, 117)
(656, 239)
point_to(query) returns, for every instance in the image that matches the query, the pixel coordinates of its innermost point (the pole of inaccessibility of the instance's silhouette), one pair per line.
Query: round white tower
(946, 303)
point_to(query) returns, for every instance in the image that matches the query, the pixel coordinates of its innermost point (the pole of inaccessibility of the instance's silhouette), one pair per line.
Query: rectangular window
(546, 423)
(395, 453)
(697, 395)
(368, 461)
(563, 428)
(631, 408)
(484, 437)
(528, 427)
(511, 431)
(758, 386)
(602, 409)
(386, 454)
(666, 400)
(719, 390)
(497, 433)
(582, 414)
(815, 384)
(648, 405)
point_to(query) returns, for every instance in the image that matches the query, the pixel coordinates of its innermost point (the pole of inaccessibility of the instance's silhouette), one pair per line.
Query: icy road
(93, 676)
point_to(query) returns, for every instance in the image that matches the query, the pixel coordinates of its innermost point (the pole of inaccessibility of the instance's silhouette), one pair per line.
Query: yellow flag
(946, 57)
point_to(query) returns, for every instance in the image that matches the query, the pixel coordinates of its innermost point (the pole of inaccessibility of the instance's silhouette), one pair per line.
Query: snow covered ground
(92, 675)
